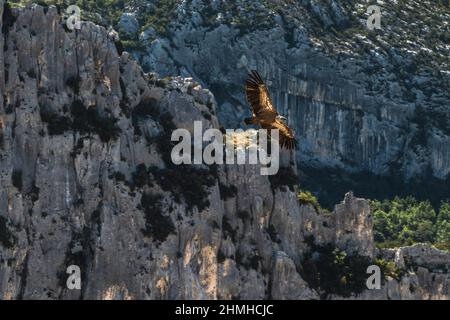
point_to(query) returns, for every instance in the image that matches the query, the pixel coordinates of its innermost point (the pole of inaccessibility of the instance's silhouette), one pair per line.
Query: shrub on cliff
(89, 120)
(388, 268)
(186, 183)
(227, 192)
(86, 120)
(285, 178)
(17, 179)
(140, 176)
(73, 82)
(306, 197)
(332, 271)
(157, 225)
(8, 18)
(56, 124)
(7, 239)
(147, 108)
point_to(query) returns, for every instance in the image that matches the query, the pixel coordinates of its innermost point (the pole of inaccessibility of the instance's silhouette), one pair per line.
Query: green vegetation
(16, 178)
(89, 120)
(75, 254)
(79, 251)
(86, 120)
(306, 197)
(405, 221)
(157, 225)
(186, 183)
(8, 18)
(221, 256)
(228, 230)
(249, 262)
(161, 17)
(56, 124)
(331, 184)
(332, 271)
(389, 269)
(227, 192)
(108, 10)
(158, 16)
(425, 120)
(246, 16)
(147, 108)
(34, 193)
(401, 221)
(140, 177)
(284, 179)
(119, 176)
(244, 215)
(74, 83)
(7, 239)
(272, 231)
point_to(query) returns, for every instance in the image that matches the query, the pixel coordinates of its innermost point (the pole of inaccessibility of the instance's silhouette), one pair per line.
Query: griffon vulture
(264, 112)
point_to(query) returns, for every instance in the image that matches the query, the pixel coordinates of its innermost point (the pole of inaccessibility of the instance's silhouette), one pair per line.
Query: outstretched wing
(257, 94)
(286, 137)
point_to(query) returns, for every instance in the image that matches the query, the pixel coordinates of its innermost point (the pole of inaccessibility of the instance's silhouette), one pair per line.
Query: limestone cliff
(361, 101)
(85, 180)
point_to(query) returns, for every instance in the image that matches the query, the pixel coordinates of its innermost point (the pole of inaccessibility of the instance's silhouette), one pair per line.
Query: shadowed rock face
(355, 98)
(84, 180)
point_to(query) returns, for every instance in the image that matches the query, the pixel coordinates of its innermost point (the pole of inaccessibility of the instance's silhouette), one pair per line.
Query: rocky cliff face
(359, 100)
(85, 180)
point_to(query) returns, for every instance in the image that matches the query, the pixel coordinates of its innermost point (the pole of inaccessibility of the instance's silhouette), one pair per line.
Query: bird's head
(281, 118)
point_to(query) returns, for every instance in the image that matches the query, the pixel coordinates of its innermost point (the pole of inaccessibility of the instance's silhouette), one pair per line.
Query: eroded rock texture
(359, 100)
(85, 179)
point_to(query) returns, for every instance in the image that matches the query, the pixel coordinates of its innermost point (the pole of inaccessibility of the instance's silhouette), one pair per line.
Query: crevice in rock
(23, 278)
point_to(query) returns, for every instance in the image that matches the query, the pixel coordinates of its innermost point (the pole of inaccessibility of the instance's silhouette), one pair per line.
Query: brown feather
(258, 95)
(286, 136)
(265, 112)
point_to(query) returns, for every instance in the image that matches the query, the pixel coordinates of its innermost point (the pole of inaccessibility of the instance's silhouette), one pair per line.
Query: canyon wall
(85, 180)
(359, 101)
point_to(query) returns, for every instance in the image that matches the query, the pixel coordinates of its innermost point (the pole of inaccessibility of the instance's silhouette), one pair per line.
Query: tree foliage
(405, 221)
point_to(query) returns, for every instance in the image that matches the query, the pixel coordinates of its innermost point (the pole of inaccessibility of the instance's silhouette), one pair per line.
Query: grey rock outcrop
(128, 24)
(355, 98)
(426, 275)
(84, 180)
(287, 283)
(349, 226)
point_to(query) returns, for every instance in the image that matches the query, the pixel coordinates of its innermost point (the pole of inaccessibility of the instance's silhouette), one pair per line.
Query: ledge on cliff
(109, 202)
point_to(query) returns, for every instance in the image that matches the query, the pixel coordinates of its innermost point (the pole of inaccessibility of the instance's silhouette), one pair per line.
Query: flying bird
(264, 112)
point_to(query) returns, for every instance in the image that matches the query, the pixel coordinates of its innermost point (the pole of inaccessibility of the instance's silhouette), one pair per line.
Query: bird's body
(264, 112)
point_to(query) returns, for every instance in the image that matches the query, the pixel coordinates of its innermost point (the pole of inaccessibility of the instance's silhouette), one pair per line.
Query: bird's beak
(282, 118)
